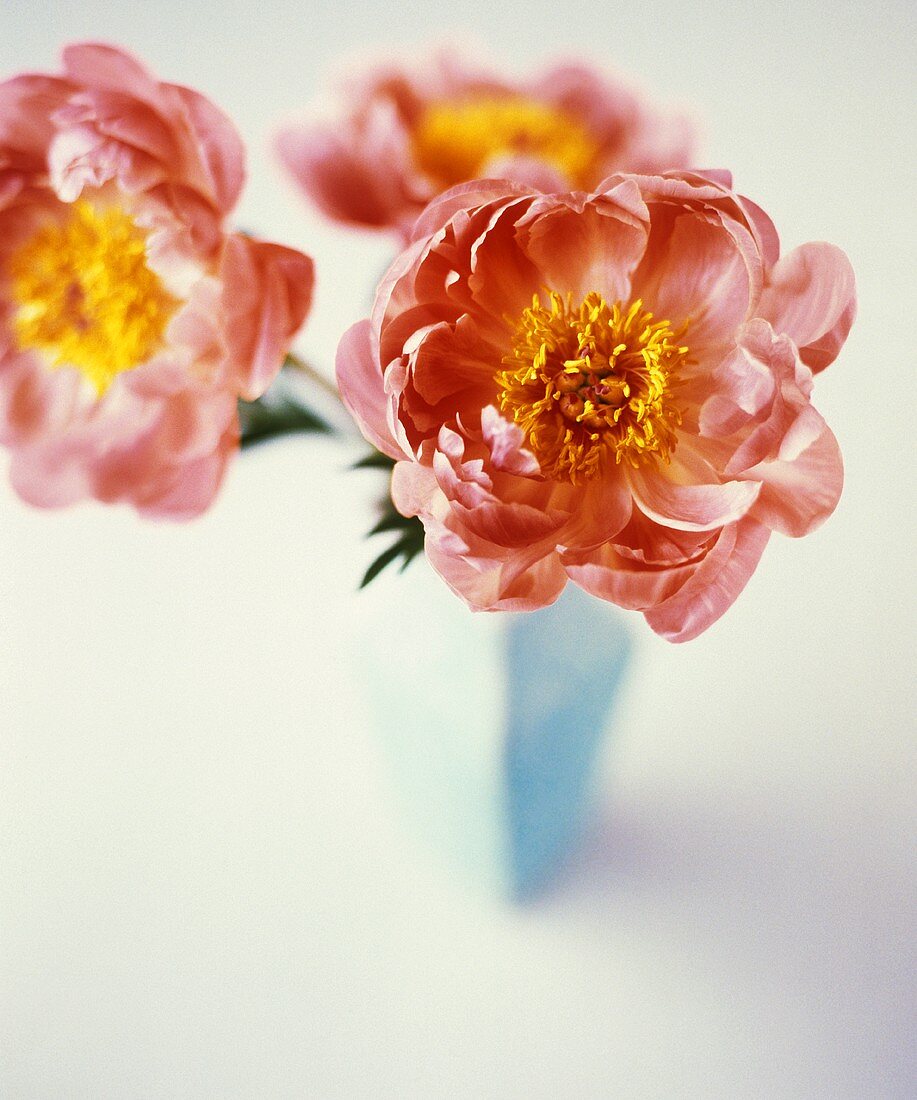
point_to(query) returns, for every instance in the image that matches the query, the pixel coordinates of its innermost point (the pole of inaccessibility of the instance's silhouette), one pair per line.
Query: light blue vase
(492, 723)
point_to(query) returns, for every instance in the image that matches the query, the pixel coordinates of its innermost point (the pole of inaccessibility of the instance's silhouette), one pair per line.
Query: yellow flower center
(84, 295)
(453, 141)
(592, 381)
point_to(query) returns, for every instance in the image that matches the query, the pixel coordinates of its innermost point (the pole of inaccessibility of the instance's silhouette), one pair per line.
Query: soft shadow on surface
(814, 911)
(747, 850)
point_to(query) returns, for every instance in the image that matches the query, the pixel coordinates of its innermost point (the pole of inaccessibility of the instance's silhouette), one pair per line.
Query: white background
(205, 890)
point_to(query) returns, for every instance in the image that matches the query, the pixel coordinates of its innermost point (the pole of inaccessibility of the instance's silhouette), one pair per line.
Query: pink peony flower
(130, 320)
(404, 134)
(612, 389)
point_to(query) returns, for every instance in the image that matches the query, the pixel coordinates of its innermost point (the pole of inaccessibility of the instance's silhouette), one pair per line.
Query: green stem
(308, 371)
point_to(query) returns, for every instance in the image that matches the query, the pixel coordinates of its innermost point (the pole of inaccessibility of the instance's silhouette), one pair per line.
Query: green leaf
(384, 559)
(410, 553)
(407, 546)
(393, 521)
(376, 460)
(408, 529)
(272, 416)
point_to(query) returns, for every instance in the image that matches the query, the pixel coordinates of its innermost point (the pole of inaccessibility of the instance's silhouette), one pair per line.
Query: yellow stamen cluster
(454, 140)
(592, 381)
(84, 295)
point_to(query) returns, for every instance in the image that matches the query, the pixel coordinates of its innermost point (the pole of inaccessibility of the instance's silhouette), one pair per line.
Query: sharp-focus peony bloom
(403, 134)
(130, 320)
(611, 388)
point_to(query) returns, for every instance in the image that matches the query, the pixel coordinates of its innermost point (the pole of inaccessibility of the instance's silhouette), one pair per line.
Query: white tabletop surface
(205, 889)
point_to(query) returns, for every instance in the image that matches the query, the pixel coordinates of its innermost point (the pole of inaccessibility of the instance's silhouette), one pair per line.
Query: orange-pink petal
(810, 295)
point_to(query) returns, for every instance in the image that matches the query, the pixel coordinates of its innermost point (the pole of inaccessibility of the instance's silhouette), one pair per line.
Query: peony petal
(605, 573)
(360, 382)
(27, 106)
(354, 174)
(122, 119)
(34, 401)
(811, 296)
(464, 196)
(696, 270)
(82, 157)
(51, 474)
(194, 488)
(593, 246)
(689, 506)
(487, 584)
(765, 231)
(96, 65)
(267, 291)
(219, 148)
(453, 361)
(414, 489)
(516, 513)
(503, 277)
(599, 511)
(506, 442)
(800, 491)
(714, 586)
(525, 171)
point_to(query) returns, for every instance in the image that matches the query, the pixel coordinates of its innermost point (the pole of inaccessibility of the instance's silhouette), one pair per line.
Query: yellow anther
(589, 381)
(84, 295)
(453, 140)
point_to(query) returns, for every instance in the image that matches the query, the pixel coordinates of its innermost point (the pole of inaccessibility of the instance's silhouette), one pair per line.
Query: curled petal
(811, 296)
(713, 586)
(415, 490)
(761, 392)
(701, 271)
(800, 490)
(599, 511)
(267, 291)
(451, 360)
(687, 506)
(218, 145)
(607, 573)
(27, 106)
(582, 246)
(503, 276)
(506, 443)
(764, 230)
(361, 385)
(497, 507)
(463, 197)
(524, 582)
(351, 175)
(108, 68)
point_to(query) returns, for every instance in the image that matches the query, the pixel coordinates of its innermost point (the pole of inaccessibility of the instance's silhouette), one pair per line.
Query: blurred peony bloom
(130, 320)
(404, 134)
(612, 389)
